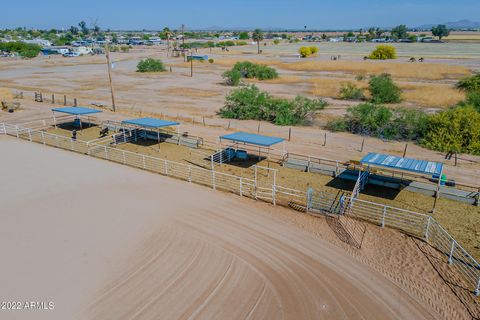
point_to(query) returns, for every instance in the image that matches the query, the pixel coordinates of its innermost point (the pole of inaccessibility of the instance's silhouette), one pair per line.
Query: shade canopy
(406, 164)
(150, 123)
(251, 138)
(77, 111)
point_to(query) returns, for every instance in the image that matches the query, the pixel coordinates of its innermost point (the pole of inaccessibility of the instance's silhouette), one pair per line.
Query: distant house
(337, 39)
(83, 50)
(379, 40)
(40, 42)
(55, 50)
(154, 41)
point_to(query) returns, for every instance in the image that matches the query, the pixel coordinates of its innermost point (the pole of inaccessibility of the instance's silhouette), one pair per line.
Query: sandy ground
(104, 241)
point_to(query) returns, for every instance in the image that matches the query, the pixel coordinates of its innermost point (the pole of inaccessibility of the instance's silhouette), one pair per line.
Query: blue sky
(291, 14)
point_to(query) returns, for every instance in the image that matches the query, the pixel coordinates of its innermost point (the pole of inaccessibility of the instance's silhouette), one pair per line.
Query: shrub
(337, 125)
(250, 70)
(382, 122)
(150, 65)
(313, 50)
(232, 77)
(350, 91)
(25, 50)
(383, 89)
(249, 103)
(241, 43)
(305, 52)
(276, 41)
(383, 52)
(470, 84)
(211, 60)
(456, 129)
(125, 49)
(473, 99)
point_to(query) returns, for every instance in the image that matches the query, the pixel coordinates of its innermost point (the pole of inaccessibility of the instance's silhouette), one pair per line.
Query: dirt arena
(104, 241)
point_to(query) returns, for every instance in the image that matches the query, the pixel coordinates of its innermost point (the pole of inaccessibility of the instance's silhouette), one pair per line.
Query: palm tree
(167, 33)
(257, 36)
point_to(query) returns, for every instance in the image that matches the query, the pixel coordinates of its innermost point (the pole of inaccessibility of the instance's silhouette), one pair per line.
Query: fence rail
(416, 224)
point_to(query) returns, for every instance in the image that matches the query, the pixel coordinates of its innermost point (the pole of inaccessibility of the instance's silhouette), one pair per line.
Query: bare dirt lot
(104, 241)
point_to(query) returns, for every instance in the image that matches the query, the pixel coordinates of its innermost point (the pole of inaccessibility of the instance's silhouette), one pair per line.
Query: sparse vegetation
(249, 103)
(383, 89)
(150, 65)
(383, 52)
(349, 91)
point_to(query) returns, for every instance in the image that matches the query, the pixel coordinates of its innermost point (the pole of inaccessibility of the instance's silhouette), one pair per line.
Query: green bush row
(249, 103)
(25, 50)
(455, 129)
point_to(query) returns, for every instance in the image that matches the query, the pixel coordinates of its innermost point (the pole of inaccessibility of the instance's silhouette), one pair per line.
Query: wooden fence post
(289, 134)
(325, 139)
(64, 100)
(258, 129)
(74, 102)
(363, 143)
(53, 98)
(405, 150)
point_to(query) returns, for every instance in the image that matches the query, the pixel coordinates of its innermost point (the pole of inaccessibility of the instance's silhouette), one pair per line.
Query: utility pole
(183, 43)
(107, 53)
(191, 63)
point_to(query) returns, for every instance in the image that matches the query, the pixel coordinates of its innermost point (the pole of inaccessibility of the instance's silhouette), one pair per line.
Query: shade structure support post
(158, 138)
(54, 120)
(437, 193)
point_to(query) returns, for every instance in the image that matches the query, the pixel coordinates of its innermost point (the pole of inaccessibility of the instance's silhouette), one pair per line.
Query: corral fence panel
(416, 224)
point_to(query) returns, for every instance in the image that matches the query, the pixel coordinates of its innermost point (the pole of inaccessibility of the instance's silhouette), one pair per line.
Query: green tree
(456, 129)
(400, 32)
(383, 89)
(150, 65)
(440, 31)
(167, 34)
(257, 36)
(83, 27)
(383, 52)
(243, 35)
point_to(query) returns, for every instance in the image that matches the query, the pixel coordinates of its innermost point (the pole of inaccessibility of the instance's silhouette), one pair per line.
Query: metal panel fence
(416, 224)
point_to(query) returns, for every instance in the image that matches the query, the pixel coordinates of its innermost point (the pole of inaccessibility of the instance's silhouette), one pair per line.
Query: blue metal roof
(407, 164)
(76, 110)
(151, 123)
(251, 138)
